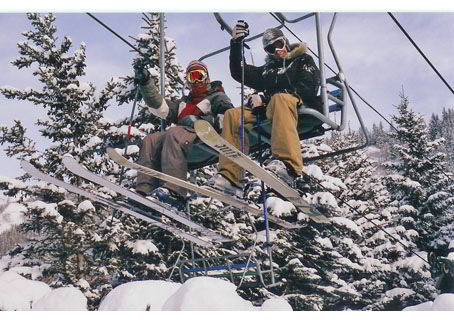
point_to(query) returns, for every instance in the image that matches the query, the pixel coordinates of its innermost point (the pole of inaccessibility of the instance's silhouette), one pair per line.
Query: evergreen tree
(447, 132)
(420, 173)
(76, 242)
(148, 44)
(421, 193)
(435, 127)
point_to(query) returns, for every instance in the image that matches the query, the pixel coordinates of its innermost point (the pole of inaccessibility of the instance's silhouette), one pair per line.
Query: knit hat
(196, 65)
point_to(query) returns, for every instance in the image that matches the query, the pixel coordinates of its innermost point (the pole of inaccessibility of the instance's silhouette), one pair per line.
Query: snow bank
(444, 302)
(62, 299)
(139, 296)
(276, 304)
(19, 293)
(207, 294)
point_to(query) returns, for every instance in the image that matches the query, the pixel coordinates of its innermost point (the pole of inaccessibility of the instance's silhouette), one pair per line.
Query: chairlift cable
(130, 45)
(343, 201)
(420, 52)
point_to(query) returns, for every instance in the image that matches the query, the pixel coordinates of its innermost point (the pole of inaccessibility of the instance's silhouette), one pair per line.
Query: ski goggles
(278, 44)
(196, 75)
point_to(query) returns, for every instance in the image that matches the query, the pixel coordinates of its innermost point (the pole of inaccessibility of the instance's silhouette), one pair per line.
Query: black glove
(141, 75)
(240, 31)
(256, 102)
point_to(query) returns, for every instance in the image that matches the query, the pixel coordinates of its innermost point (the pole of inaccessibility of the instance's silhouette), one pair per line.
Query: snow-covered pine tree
(447, 132)
(421, 197)
(148, 43)
(434, 126)
(75, 242)
(421, 173)
(380, 245)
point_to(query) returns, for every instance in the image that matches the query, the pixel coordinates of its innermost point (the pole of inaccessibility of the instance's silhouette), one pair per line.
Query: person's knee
(173, 135)
(148, 140)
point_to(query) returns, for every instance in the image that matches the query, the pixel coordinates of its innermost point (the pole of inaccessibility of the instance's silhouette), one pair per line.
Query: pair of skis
(209, 136)
(123, 207)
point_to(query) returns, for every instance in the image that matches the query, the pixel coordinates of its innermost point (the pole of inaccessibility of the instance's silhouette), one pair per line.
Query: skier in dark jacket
(288, 78)
(166, 151)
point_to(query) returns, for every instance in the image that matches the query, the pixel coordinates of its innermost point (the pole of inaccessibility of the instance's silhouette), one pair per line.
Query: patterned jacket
(186, 110)
(296, 74)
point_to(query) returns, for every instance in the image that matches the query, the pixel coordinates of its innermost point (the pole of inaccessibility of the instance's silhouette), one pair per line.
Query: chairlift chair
(313, 121)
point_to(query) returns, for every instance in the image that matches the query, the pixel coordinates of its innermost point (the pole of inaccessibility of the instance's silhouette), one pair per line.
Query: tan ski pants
(285, 143)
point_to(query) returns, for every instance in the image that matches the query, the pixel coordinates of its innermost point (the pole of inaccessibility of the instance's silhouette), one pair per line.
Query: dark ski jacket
(297, 74)
(186, 110)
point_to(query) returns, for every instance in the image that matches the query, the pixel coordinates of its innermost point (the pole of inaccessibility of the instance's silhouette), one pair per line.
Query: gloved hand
(141, 75)
(256, 102)
(189, 121)
(240, 31)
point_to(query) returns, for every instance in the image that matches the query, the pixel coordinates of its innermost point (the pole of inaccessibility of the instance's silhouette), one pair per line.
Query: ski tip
(25, 164)
(112, 152)
(67, 158)
(201, 125)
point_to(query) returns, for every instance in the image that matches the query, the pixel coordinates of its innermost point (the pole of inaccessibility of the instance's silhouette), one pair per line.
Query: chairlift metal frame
(226, 267)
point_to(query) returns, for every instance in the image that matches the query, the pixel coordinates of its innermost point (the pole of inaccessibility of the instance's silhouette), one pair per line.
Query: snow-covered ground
(196, 294)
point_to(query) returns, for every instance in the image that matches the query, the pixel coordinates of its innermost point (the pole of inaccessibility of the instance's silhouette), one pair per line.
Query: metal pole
(321, 59)
(264, 196)
(162, 61)
(242, 98)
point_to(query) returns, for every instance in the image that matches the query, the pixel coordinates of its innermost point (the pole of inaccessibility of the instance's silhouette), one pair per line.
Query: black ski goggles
(278, 44)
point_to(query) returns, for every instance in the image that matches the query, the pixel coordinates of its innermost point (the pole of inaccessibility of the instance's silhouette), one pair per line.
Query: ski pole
(128, 138)
(265, 210)
(161, 62)
(242, 98)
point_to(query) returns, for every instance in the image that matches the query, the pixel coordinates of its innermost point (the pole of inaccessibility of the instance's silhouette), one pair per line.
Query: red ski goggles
(196, 75)
(278, 44)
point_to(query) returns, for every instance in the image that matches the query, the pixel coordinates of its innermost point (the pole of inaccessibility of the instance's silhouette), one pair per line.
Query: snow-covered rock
(139, 296)
(276, 304)
(19, 293)
(207, 294)
(444, 302)
(62, 299)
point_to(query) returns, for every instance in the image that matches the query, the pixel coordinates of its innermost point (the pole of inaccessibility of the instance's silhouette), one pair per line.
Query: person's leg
(285, 143)
(177, 144)
(232, 133)
(149, 156)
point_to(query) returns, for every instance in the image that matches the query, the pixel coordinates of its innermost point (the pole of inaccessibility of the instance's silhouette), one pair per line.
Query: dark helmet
(270, 35)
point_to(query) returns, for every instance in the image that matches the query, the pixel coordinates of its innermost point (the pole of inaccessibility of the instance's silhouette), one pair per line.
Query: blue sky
(377, 59)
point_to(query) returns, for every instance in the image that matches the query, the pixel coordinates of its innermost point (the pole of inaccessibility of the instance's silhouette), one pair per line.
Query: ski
(75, 167)
(206, 191)
(210, 137)
(125, 208)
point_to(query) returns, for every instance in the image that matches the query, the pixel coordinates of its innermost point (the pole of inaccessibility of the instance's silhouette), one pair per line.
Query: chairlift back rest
(309, 121)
